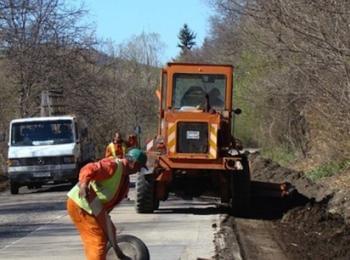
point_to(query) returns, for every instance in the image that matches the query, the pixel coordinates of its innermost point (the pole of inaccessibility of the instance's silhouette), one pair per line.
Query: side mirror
(237, 111)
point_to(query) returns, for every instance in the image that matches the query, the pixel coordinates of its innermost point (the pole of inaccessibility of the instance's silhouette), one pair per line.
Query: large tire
(240, 190)
(14, 187)
(145, 202)
(131, 246)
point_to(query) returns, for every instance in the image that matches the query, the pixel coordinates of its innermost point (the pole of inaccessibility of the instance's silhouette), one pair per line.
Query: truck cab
(44, 150)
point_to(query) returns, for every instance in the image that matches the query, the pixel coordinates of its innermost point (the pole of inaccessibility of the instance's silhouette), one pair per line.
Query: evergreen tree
(187, 38)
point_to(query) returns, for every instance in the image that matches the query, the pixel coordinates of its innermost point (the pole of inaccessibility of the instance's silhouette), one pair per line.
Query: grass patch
(327, 170)
(281, 155)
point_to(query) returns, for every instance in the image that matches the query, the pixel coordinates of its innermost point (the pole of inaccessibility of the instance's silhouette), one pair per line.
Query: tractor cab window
(199, 91)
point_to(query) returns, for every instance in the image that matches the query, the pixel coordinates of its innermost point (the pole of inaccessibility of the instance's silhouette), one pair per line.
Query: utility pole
(52, 103)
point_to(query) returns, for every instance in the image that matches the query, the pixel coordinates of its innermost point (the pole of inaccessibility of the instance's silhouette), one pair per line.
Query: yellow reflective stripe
(213, 137)
(212, 144)
(171, 137)
(172, 144)
(172, 127)
(112, 149)
(213, 130)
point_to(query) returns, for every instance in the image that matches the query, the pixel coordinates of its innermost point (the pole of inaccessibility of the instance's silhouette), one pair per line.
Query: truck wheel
(131, 246)
(144, 194)
(240, 190)
(14, 187)
(156, 204)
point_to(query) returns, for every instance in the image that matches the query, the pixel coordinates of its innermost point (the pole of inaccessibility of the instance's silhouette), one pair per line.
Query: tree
(133, 75)
(187, 39)
(39, 40)
(292, 60)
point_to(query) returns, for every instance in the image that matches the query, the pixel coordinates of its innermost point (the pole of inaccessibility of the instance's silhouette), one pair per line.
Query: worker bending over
(105, 183)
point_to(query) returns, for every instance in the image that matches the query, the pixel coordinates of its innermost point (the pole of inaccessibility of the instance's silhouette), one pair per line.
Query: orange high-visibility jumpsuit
(132, 142)
(91, 233)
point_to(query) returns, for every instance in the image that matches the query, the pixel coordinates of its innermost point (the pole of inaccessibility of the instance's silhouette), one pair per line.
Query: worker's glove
(83, 190)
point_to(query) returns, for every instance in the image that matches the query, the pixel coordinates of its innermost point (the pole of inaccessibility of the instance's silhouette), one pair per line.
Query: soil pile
(312, 232)
(268, 171)
(318, 230)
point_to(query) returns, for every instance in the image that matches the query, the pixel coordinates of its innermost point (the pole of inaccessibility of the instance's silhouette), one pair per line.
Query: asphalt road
(34, 225)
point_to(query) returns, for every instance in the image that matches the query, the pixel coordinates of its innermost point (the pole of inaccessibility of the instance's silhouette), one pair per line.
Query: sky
(119, 20)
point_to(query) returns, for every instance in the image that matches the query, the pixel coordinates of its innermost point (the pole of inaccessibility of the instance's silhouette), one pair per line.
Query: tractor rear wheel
(145, 201)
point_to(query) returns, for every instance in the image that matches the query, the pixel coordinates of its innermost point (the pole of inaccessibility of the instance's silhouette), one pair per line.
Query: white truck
(46, 150)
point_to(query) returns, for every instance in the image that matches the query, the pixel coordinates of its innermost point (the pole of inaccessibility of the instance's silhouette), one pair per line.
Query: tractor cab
(196, 107)
(194, 151)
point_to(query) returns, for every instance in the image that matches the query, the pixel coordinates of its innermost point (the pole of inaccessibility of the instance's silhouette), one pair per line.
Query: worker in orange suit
(132, 141)
(104, 183)
(116, 148)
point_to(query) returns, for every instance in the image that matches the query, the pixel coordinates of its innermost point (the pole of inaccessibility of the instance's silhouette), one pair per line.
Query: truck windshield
(196, 90)
(42, 133)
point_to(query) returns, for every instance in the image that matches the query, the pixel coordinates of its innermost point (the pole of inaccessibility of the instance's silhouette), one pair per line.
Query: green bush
(281, 155)
(248, 72)
(327, 170)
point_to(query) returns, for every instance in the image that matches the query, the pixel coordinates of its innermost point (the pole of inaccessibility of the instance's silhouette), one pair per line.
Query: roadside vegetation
(46, 45)
(292, 61)
(328, 170)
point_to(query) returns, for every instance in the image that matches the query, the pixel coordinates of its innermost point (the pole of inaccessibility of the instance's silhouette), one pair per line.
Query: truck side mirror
(237, 111)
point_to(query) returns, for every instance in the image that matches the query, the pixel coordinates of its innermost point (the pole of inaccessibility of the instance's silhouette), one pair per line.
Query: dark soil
(310, 229)
(312, 233)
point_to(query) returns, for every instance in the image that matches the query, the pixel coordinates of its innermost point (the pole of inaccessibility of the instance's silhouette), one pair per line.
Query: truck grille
(52, 160)
(192, 137)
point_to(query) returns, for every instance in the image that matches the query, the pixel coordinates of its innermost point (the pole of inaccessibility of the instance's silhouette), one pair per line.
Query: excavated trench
(298, 226)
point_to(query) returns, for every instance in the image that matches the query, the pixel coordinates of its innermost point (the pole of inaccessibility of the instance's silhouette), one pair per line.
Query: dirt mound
(337, 200)
(266, 170)
(318, 230)
(312, 232)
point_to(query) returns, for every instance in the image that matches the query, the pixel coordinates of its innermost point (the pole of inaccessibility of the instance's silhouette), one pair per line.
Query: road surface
(34, 225)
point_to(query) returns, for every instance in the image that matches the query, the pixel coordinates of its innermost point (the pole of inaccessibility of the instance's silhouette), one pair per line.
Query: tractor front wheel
(145, 199)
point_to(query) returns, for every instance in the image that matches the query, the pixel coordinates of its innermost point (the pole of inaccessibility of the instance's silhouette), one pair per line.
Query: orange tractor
(195, 152)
